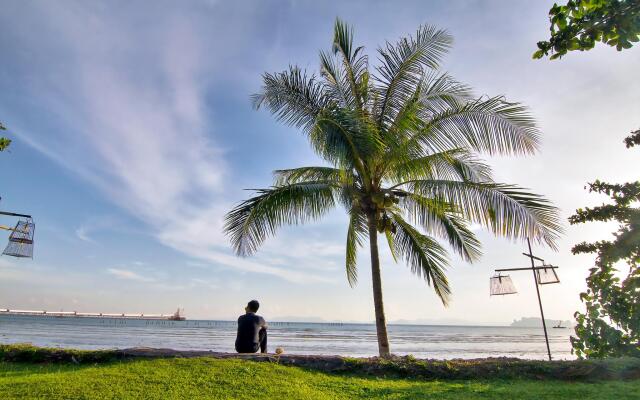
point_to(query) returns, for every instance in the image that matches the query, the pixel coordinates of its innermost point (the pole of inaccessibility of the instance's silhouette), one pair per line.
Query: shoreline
(405, 366)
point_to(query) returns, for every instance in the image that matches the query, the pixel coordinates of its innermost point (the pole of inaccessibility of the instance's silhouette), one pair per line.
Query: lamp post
(537, 279)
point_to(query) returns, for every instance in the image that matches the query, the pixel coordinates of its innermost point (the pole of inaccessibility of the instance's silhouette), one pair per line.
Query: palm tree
(402, 145)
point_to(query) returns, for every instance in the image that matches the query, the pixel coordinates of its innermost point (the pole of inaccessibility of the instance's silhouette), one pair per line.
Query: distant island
(536, 322)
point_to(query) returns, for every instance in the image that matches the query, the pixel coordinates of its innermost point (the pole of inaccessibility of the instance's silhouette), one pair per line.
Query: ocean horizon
(312, 338)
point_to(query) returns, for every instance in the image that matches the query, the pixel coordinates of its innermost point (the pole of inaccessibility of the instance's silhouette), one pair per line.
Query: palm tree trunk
(381, 321)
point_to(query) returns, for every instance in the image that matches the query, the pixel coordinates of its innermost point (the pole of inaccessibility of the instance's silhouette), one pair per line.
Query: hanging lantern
(546, 276)
(500, 285)
(21, 240)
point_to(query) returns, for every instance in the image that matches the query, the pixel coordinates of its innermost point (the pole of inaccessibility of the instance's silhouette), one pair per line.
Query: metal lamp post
(502, 284)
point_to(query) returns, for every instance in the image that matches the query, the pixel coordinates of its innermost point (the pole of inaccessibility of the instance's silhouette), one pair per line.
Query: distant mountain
(535, 322)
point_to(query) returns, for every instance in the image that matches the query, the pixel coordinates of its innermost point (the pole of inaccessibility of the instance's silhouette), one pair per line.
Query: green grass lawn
(238, 379)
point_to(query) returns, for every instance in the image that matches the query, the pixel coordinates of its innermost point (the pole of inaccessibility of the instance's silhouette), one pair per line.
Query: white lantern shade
(500, 285)
(547, 276)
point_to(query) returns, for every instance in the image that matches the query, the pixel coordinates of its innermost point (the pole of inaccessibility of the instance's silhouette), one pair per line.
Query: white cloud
(136, 109)
(139, 263)
(129, 275)
(96, 224)
(82, 234)
(205, 283)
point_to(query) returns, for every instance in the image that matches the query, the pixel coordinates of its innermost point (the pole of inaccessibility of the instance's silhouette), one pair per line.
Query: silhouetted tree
(610, 325)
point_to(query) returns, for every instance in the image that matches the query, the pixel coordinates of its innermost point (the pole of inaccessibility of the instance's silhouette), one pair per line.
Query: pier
(75, 314)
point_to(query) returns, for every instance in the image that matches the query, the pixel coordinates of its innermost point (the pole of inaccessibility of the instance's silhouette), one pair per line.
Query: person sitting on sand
(252, 330)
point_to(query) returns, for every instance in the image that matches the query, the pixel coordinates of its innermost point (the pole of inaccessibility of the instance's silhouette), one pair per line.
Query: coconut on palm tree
(401, 143)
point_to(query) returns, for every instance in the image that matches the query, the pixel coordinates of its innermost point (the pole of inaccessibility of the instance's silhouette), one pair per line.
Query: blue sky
(134, 134)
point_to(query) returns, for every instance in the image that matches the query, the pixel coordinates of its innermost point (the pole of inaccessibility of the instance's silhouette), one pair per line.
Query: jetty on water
(177, 316)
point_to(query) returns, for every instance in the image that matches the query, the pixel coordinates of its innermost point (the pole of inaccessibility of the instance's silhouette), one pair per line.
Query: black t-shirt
(249, 326)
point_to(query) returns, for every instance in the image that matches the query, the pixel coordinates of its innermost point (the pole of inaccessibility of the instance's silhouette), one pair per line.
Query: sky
(133, 134)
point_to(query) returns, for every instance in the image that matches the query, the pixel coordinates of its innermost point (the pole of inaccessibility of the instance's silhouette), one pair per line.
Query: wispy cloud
(136, 109)
(97, 224)
(129, 275)
(205, 283)
(82, 234)
(139, 263)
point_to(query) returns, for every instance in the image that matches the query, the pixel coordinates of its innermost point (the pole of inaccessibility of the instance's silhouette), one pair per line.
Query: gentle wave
(357, 340)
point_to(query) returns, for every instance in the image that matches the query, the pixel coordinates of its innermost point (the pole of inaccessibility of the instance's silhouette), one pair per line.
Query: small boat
(177, 316)
(559, 326)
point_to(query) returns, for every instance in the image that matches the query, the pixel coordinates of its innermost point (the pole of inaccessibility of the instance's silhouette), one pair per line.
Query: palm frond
(354, 63)
(455, 164)
(424, 255)
(253, 220)
(440, 92)
(343, 39)
(294, 97)
(435, 93)
(392, 247)
(506, 210)
(312, 174)
(492, 126)
(403, 67)
(339, 137)
(406, 120)
(442, 220)
(348, 194)
(356, 235)
(346, 184)
(335, 80)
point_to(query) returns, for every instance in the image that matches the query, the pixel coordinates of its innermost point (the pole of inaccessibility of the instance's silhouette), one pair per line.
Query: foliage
(395, 367)
(401, 143)
(4, 142)
(579, 24)
(610, 326)
(21, 352)
(207, 378)
(497, 368)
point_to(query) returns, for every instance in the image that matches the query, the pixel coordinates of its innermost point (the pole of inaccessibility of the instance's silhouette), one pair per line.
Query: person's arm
(263, 323)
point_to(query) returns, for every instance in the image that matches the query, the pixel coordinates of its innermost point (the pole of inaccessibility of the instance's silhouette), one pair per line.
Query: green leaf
(538, 54)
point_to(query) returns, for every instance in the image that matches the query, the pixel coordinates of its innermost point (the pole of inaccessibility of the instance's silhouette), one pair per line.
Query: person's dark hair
(253, 305)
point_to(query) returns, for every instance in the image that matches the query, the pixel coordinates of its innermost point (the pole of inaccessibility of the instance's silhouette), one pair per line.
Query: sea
(345, 339)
